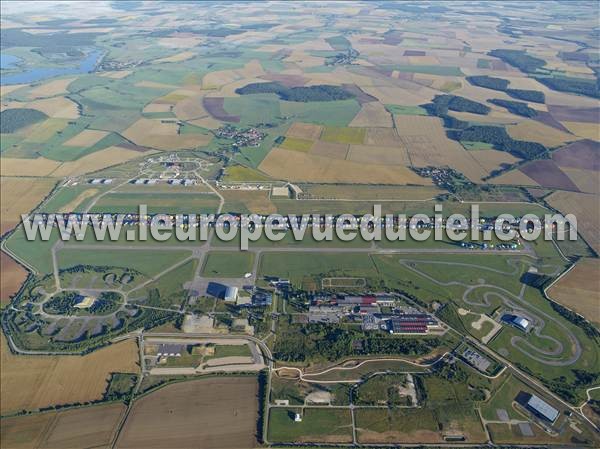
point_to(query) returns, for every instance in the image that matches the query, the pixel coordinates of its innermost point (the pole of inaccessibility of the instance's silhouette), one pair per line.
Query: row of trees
(321, 92)
(499, 84)
(515, 107)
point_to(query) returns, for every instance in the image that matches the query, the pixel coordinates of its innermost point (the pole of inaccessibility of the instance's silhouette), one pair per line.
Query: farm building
(411, 323)
(170, 350)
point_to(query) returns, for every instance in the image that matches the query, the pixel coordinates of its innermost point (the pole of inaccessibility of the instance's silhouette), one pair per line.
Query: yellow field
(579, 289)
(428, 145)
(298, 166)
(514, 177)
(154, 85)
(183, 56)
(20, 196)
(43, 131)
(330, 149)
(100, 159)
(382, 155)
(163, 135)
(56, 107)
(157, 107)
(343, 135)
(8, 89)
(27, 167)
(587, 181)
(587, 130)
(56, 87)
(587, 210)
(78, 428)
(538, 132)
(492, 159)
(372, 114)
(304, 131)
(31, 382)
(86, 138)
(13, 275)
(117, 74)
(382, 136)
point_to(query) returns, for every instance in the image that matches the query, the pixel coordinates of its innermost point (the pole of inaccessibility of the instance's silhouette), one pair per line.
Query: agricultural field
(333, 108)
(81, 427)
(579, 289)
(32, 382)
(206, 417)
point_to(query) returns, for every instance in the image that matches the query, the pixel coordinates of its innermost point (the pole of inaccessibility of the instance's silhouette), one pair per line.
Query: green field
(397, 109)
(317, 425)
(343, 135)
(227, 264)
(295, 144)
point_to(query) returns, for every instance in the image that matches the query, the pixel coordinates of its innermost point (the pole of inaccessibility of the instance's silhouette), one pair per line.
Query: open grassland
(219, 412)
(423, 425)
(579, 289)
(98, 160)
(318, 425)
(227, 264)
(30, 382)
(585, 207)
(165, 203)
(13, 276)
(251, 201)
(78, 428)
(144, 261)
(297, 166)
(20, 196)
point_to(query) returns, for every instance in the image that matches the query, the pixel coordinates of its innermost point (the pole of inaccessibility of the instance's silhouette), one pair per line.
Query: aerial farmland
(192, 196)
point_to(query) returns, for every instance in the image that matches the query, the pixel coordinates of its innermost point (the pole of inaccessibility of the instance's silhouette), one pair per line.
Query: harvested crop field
(79, 428)
(20, 196)
(163, 135)
(370, 154)
(428, 145)
(583, 154)
(373, 114)
(50, 89)
(574, 114)
(86, 138)
(330, 149)
(307, 131)
(31, 382)
(296, 144)
(579, 289)
(547, 174)
(13, 275)
(532, 131)
(514, 177)
(492, 159)
(96, 161)
(584, 130)
(382, 136)
(585, 207)
(214, 106)
(27, 167)
(587, 181)
(297, 166)
(183, 56)
(212, 413)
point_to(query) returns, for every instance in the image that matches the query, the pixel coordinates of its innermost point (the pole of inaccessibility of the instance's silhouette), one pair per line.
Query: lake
(87, 65)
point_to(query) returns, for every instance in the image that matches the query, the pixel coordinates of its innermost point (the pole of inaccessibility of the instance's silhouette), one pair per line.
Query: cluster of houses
(368, 309)
(242, 137)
